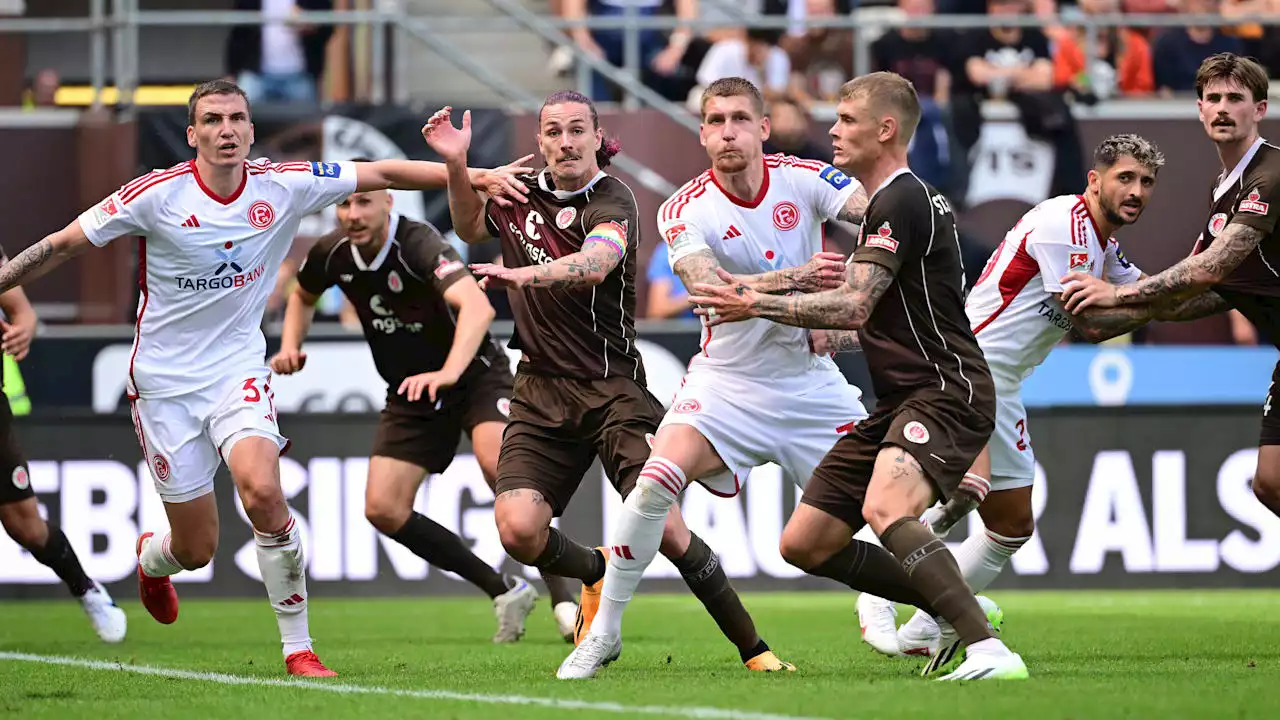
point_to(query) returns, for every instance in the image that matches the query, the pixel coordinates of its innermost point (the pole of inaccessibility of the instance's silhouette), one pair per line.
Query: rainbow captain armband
(613, 233)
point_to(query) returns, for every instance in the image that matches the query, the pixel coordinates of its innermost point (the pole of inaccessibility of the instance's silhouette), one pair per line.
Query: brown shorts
(15, 480)
(559, 425)
(418, 433)
(944, 434)
(1270, 434)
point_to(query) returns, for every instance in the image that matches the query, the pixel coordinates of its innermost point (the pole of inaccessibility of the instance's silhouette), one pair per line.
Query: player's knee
(522, 537)
(797, 550)
(263, 503)
(880, 514)
(1266, 487)
(386, 515)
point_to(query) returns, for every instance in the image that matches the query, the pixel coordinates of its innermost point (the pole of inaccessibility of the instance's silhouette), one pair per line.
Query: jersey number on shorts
(1022, 434)
(251, 394)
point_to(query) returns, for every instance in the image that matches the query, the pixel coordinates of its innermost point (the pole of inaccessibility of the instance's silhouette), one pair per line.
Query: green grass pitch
(1174, 654)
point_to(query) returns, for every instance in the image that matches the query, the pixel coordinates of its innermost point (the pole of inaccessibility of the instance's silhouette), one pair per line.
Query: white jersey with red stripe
(780, 228)
(1014, 307)
(207, 264)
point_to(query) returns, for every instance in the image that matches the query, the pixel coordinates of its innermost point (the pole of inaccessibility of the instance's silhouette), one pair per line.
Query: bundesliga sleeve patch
(105, 210)
(834, 177)
(1253, 204)
(1078, 261)
(326, 169)
(883, 239)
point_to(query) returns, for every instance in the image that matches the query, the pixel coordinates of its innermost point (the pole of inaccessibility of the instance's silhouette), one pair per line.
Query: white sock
(635, 543)
(157, 557)
(283, 567)
(981, 557)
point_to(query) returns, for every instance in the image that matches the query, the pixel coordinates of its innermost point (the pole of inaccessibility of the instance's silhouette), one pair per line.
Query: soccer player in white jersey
(215, 230)
(1017, 316)
(757, 393)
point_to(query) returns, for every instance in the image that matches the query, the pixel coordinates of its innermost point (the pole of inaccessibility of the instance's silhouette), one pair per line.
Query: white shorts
(752, 423)
(1013, 462)
(186, 437)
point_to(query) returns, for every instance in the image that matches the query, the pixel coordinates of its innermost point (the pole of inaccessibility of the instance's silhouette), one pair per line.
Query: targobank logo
(227, 272)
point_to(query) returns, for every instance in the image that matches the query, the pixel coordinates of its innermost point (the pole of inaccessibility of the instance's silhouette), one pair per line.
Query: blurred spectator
(1252, 35)
(1121, 65)
(917, 54)
(822, 56)
(791, 132)
(44, 90)
(667, 296)
(1150, 7)
(660, 55)
(280, 60)
(1014, 64)
(757, 58)
(1178, 52)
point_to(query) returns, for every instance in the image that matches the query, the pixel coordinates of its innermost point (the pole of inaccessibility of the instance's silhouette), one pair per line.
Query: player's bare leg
(897, 494)
(254, 462)
(49, 546)
(388, 505)
(189, 545)
(1266, 480)
(1009, 525)
(920, 635)
(650, 522)
(486, 443)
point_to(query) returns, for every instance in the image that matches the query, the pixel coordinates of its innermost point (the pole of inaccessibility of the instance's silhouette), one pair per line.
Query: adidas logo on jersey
(191, 222)
(733, 233)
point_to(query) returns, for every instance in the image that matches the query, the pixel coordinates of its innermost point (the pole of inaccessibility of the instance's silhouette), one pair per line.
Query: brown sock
(870, 569)
(934, 572)
(702, 572)
(566, 558)
(558, 588)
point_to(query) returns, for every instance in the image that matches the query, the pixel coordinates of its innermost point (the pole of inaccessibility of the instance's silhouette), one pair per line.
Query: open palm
(448, 141)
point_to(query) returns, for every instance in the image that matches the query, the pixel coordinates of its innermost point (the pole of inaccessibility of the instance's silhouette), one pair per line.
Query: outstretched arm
(1098, 324)
(1188, 278)
(845, 308)
(44, 256)
(600, 254)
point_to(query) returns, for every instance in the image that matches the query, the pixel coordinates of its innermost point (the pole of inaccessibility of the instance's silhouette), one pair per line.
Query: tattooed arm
(824, 270)
(585, 268)
(854, 208)
(44, 256)
(1188, 278)
(845, 308)
(830, 342)
(1097, 324)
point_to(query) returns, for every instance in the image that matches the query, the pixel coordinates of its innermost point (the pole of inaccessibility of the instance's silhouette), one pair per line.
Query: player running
(19, 509)
(757, 393)
(1236, 260)
(570, 257)
(214, 232)
(427, 324)
(936, 402)
(1017, 317)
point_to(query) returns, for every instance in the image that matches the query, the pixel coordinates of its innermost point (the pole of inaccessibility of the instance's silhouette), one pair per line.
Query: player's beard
(1111, 213)
(731, 163)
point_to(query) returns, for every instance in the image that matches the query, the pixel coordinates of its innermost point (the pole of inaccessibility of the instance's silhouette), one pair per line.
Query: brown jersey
(1250, 195)
(918, 336)
(585, 332)
(399, 296)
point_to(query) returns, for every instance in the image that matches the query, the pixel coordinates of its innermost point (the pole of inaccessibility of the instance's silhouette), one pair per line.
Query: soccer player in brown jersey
(904, 295)
(570, 271)
(427, 324)
(19, 509)
(1236, 260)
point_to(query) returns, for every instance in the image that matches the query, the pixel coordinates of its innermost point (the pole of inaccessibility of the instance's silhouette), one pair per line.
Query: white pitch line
(710, 713)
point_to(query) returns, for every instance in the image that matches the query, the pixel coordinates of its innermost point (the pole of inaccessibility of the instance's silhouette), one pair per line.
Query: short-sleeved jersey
(1250, 195)
(584, 332)
(1014, 307)
(780, 228)
(399, 296)
(207, 264)
(918, 336)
